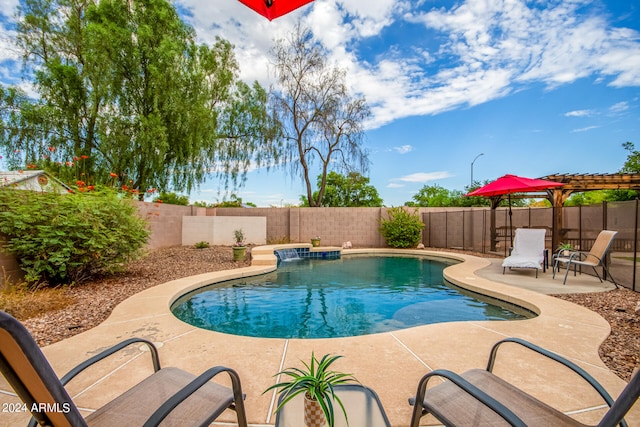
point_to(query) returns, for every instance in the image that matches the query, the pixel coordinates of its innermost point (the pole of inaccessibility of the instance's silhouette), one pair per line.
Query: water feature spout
(287, 254)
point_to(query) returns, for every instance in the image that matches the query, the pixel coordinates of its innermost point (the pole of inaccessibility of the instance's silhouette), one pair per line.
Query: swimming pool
(350, 296)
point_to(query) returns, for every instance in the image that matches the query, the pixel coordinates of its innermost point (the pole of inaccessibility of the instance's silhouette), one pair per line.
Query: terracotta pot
(313, 415)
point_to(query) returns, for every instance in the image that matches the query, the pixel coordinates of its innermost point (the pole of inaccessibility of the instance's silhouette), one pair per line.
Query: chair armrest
(171, 403)
(467, 387)
(108, 352)
(102, 355)
(557, 358)
(577, 255)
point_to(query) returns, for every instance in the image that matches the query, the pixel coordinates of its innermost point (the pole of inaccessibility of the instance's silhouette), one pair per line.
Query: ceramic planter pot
(313, 415)
(239, 253)
(315, 242)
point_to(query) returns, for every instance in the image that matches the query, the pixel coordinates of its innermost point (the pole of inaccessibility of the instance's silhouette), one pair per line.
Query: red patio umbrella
(272, 9)
(509, 184)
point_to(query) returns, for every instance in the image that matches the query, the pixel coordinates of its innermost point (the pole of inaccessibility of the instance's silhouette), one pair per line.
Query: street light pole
(474, 160)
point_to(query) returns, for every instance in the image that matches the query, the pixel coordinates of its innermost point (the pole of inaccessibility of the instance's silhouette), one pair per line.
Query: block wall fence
(459, 228)
(284, 225)
(447, 228)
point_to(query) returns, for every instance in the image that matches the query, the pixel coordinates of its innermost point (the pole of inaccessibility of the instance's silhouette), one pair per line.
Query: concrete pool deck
(391, 363)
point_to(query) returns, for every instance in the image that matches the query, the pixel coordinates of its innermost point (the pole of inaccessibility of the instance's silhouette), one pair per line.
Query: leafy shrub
(201, 245)
(70, 238)
(402, 228)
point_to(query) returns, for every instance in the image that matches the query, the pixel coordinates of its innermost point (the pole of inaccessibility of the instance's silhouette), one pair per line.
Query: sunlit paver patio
(390, 363)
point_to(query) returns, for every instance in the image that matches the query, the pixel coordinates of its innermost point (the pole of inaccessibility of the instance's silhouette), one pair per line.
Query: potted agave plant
(239, 249)
(317, 383)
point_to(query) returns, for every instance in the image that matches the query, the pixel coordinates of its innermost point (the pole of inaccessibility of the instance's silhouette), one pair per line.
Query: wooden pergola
(573, 183)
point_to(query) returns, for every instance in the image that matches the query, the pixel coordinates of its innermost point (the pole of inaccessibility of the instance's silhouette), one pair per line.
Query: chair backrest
(25, 367)
(601, 246)
(529, 242)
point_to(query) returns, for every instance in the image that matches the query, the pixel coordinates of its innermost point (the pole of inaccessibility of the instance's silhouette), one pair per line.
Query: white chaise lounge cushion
(528, 249)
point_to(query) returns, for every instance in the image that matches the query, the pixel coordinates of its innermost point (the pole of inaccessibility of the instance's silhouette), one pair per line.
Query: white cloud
(463, 55)
(7, 7)
(585, 129)
(501, 44)
(395, 185)
(578, 113)
(423, 177)
(403, 149)
(619, 107)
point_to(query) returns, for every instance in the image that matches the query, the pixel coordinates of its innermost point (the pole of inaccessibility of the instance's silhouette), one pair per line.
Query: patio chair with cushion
(596, 257)
(479, 398)
(528, 250)
(169, 395)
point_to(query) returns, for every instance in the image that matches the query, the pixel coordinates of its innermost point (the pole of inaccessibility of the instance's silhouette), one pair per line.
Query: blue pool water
(338, 298)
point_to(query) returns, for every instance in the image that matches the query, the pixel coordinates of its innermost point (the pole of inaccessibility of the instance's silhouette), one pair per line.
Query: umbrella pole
(510, 222)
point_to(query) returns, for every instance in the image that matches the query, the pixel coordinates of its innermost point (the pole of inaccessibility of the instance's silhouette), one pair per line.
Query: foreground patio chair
(528, 250)
(594, 258)
(480, 398)
(169, 395)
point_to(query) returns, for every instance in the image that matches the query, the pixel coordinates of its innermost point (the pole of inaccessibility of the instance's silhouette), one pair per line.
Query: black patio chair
(169, 395)
(479, 398)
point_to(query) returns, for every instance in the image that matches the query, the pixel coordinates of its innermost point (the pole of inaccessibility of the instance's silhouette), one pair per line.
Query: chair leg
(597, 275)
(609, 274)
(556, 267)
(567, 273)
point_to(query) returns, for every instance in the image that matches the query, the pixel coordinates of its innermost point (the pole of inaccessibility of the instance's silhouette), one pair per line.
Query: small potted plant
(315, 241)
(564, 249)
(239, 249)
(317, 383)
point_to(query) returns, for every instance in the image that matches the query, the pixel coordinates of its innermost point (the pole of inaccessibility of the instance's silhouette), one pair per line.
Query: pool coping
(391, 362)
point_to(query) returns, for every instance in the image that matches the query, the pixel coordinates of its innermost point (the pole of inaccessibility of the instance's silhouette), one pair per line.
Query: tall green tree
(632, 164)
(437, 196)
(321, 122)
(124, 84)
(351, 190)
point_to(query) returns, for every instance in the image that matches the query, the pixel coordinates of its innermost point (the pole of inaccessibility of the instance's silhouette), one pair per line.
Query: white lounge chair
(528, 250)
(594, 258)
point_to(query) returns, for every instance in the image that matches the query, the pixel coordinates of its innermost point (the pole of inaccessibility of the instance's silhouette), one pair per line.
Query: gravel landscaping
(94, 301)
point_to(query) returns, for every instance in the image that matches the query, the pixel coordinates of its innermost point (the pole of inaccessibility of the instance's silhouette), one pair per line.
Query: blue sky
(538, 86)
